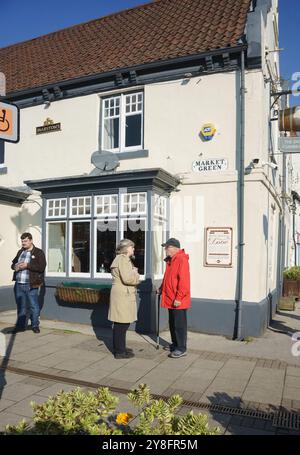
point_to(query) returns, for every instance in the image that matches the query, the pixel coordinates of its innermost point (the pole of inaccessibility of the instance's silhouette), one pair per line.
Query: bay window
(83, 231)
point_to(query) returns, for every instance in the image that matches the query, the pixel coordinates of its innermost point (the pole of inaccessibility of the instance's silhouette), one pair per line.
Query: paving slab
(293, 371)
(229, 398)
(199, 373)
(17, 392)
(204, 364)
(23, 408)
(4, 404)
(291, 393)
(292, 381)
(262, 394)
(196, 386)
(55, 388)
(74, 364)
(223, 384)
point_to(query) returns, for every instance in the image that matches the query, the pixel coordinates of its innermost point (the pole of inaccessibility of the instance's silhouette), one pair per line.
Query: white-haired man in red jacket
(176, 295)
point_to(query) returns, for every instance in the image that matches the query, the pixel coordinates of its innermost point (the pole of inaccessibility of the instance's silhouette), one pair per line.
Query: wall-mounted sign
(48, 127)
(218, 251)
(289, 144)
(210, 165)
(208, 131)
(9, 122)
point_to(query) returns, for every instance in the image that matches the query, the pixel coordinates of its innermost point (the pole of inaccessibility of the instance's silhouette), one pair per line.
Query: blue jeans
(23, 293)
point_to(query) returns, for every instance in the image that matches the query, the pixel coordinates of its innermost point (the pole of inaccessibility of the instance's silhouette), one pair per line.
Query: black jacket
(36, 267)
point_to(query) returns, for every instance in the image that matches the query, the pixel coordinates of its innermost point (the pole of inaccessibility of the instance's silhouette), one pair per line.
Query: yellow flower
(123, 418)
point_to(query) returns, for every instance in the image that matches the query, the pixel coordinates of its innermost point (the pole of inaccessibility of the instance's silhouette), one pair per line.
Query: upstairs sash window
(122, 122)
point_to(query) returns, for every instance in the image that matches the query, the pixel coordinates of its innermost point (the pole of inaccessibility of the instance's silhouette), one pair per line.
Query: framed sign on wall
(218, 247)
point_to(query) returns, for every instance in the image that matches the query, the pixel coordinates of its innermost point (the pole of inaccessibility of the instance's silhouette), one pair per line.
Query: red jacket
(176, 282)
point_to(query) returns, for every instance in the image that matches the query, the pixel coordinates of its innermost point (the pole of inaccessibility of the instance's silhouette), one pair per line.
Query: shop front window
(80, 247)
(106, 240)
(56, 258)
(135, 230)
(83, 243)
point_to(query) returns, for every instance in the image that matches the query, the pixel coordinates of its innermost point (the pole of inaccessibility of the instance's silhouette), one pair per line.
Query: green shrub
(94, 413)
(293, 273)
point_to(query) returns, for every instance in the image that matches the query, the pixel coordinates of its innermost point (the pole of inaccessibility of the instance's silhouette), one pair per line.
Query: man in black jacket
(29, 266)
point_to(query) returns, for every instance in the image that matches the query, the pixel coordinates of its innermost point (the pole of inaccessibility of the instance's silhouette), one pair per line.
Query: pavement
(239, 385)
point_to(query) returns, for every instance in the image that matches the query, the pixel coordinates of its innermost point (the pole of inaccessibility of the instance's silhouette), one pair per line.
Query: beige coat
(122, 306)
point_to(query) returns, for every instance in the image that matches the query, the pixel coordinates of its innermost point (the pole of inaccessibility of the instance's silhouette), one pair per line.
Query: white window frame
(110, 214)
(160, 202)
(78, 274)
(165, 224)
(50, 217)
(99, 274)
(123, 213)
(47, 273)
(137, 218)
(276, 30)
(158, 217)
(122, 122)
(88, 215)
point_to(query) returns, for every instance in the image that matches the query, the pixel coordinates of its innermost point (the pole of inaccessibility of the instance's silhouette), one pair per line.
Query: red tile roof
(159, 30)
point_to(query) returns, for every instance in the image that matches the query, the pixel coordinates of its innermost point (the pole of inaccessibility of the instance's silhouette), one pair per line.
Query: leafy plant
(81, 412)
(74, 412)
(293, 273)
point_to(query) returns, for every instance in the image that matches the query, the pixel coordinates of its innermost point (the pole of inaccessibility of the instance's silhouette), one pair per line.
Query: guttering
(12, 196)
(145, 177)
(238, 335)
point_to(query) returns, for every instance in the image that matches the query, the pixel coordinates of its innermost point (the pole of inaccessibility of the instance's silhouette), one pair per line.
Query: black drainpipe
(241, 210)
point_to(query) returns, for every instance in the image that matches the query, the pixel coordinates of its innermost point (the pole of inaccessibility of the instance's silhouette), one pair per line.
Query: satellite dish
(105, 161)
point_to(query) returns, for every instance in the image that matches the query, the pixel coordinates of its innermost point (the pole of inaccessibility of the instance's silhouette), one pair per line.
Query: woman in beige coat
(122, 308)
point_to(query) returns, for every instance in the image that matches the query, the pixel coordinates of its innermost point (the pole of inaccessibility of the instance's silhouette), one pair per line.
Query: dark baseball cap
(172, 242)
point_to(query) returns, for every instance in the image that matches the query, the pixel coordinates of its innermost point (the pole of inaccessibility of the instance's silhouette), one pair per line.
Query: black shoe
(36, 330)
(128, 350)
(124, 355)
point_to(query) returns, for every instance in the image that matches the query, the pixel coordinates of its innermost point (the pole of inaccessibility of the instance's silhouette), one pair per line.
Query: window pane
(159, 237)
(111, 133)
(56, 247)
(106, 244)
(106, 205)
(135, 231)
(133, 130)
(80, 247)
